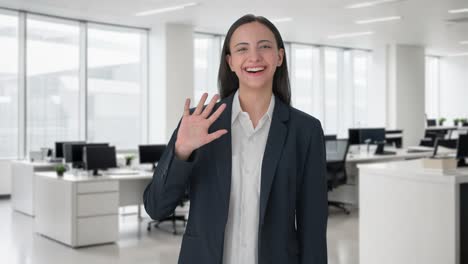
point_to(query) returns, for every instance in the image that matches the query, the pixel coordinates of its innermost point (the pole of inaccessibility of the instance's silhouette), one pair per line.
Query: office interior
(94, 89)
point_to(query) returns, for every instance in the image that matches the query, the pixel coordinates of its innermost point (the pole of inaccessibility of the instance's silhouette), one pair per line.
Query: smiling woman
(254, 165)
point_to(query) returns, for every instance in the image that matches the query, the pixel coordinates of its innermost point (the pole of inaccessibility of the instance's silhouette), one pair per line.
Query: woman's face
(254, 56)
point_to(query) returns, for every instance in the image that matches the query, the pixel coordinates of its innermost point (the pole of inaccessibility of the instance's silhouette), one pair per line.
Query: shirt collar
(236, 107)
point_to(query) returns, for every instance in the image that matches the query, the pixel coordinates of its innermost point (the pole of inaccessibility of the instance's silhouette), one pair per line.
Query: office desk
(83, 210)
(409, 214)
(23, 181)
(349, 193)
(401, 154)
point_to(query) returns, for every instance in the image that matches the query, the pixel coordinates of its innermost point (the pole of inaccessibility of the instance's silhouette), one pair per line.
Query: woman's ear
(280, 56)
(229, 60)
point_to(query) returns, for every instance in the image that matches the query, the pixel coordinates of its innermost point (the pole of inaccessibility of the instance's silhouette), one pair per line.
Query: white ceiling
(424, 21)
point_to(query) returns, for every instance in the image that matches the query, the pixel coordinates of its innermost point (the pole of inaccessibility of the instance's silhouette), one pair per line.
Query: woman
(254, 166)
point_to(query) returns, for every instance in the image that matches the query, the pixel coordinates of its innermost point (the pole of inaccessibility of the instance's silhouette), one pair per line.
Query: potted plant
(456, 121)
(128, 159)
(441, 121)
(464, 121)
(60, 169)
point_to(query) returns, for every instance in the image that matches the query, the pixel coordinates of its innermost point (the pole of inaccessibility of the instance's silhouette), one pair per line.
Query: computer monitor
(372, 135)
(59, 153)
(73, 152)
(354, 136)
(431, 122)
(151, 153)
(447, 143)
(462, 150)
(99, 158)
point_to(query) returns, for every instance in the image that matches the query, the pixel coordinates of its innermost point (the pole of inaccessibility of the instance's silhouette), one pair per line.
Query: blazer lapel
(273, 150)
(223, 152)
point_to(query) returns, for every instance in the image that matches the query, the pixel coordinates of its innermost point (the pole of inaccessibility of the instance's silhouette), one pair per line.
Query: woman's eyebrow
(258, 42)
(263, 40)
(241, 43)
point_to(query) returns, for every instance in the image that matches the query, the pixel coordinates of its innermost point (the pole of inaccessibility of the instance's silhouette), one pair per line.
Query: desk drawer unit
(97, 230)
(97, 207)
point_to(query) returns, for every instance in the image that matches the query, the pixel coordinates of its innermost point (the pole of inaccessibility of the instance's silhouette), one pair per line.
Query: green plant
(442, 120)
(463, 120)
(128, 159)
(60, 169)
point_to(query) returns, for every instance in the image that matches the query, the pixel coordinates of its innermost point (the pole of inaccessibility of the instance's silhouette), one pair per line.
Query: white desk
(349, 193)
(401, 154)
(23, 181)
(83, 210)
(409, 214)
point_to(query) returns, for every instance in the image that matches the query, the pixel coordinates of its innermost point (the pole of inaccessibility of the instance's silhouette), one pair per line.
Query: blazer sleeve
(169, 183)
(312, 209)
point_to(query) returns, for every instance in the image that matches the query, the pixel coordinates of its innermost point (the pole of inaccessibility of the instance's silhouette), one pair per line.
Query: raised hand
(193, 129)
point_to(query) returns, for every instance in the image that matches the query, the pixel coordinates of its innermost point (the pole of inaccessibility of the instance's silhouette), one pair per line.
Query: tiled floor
(20, 245)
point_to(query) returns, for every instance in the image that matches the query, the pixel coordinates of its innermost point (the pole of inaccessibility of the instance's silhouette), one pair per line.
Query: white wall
(405, 102)
(5, 177)
(453, 88)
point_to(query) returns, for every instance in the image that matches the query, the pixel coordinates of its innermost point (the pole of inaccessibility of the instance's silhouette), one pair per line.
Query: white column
(179, 72)
(377, 87)
(405, 93)
(170, 78)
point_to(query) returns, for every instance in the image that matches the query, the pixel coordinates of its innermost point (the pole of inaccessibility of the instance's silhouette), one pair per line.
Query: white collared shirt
(248, 147)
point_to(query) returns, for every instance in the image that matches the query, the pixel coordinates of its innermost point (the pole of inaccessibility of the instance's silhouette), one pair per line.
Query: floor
(20, 245)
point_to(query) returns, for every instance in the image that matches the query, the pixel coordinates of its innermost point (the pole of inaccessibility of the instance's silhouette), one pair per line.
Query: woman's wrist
(181, 152)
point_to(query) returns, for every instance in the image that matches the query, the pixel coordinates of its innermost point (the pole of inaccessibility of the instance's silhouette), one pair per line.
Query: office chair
(397, 140)
(336, 167)
(172, 218)
(430, 137)
(330, 137)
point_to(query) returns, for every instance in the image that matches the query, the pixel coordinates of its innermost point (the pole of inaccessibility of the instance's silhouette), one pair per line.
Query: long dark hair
(228, 82)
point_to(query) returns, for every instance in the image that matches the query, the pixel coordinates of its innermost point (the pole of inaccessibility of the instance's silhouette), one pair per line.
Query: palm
(193, 129)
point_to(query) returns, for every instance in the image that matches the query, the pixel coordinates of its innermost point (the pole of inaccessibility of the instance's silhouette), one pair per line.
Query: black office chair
(172, 218)
(430, 137)
(447, 143)
(336, 167)
(330, 137)
(394, 138)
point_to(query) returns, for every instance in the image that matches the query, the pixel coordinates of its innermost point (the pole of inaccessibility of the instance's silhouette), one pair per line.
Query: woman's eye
(265, 47)
(241, 49)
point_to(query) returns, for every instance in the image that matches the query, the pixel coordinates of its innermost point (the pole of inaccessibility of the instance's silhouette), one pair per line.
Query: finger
(217, 113)
(215, 135)
(200, 105)
(187, 107)
(210, 106)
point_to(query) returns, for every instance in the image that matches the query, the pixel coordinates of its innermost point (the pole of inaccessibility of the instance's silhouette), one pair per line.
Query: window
(115, 97)
(331, 85)
(304, 74)
(432, 87)
(52, 100)
(8, 85)
(207, 51)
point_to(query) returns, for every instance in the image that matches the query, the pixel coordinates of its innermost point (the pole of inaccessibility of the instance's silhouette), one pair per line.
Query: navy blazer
(293, 192)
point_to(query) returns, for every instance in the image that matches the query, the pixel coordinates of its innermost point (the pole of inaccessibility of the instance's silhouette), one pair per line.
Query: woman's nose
(254, 55)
